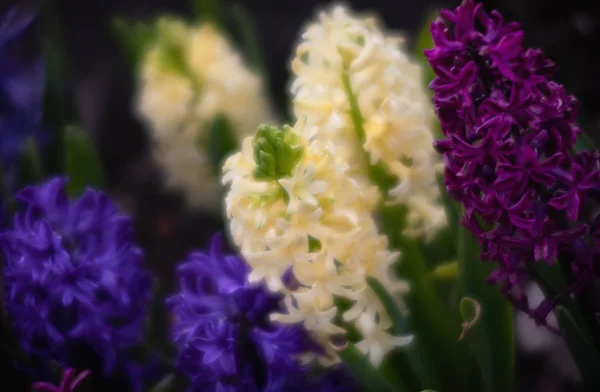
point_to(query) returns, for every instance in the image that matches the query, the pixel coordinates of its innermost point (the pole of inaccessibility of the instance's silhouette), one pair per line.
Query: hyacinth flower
(509, 153)
(348, 69)
(225, 338)
(69, 383)
(305, 226)
(73, 277)
(21, 91)
(194, 89)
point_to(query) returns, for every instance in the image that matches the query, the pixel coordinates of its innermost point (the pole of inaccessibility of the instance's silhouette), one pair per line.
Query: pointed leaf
(407, 361)
(584, 354)
(81, 162)
(400, 323)
(435, 347)
(363, 372)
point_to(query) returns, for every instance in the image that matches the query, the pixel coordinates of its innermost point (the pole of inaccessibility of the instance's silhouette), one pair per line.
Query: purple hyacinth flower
(73, 276)
(509, 151)
(226, 340)
(69, 383)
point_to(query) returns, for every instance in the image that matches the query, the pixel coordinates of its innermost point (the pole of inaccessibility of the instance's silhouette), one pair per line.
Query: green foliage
(276, 152)
(363, 372)
(81, 162)
(491, 340)
(406, 363)
(436, 349)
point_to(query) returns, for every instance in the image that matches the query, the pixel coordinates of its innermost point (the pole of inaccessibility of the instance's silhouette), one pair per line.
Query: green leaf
(364, 373)
(209, 11)
(407, 363)
(249, 36)
(437, 348)
(584, 354)
(399, 320)
(135, 39)
(492, 339)
(221, 142)
(81, 162)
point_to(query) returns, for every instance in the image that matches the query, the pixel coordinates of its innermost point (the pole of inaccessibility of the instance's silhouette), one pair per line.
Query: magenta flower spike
(509, 152)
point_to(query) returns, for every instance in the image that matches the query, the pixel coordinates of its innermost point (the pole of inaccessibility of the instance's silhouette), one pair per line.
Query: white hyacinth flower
(342, 51)
(299, 208)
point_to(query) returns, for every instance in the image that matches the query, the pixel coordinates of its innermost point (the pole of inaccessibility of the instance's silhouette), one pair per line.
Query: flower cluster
(73, 277)
(225, 337)
(190, 76)
(305, 225)
(21, 91)
(342, 54)
(508, 150)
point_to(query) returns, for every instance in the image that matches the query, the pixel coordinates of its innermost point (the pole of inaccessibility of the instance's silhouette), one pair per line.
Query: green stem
(436, 332)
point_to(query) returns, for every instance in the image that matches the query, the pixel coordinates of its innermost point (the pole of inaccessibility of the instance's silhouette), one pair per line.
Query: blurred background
(102, 85)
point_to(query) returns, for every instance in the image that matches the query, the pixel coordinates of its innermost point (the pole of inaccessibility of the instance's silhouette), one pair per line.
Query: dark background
(102, 85)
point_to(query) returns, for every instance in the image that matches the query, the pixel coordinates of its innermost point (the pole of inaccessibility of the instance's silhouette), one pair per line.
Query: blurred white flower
(188, 77)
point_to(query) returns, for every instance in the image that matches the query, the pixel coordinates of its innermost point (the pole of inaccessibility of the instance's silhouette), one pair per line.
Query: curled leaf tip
(470, 310)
